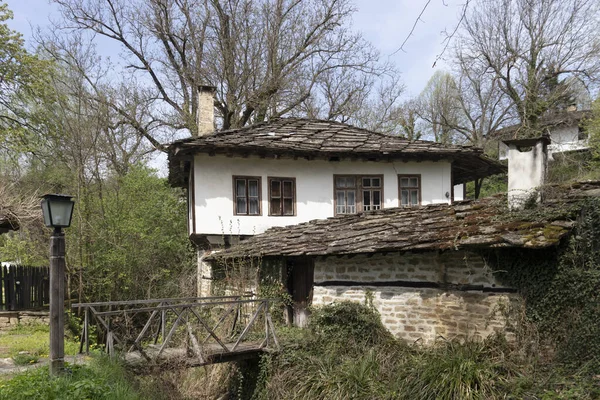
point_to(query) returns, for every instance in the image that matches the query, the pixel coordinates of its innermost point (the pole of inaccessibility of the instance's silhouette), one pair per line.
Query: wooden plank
(205, 325)
(220, 321)
(195, 345)
(173, 328)
(247, 328)
(145, 328)
(150, 301)
(175, 306)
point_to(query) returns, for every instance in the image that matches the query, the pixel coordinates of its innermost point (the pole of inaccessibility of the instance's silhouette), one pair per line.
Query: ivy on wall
(561, 288)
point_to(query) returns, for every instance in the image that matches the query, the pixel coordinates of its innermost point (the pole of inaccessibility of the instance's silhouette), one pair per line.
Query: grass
(340, 359)
(102, 379)
(31, 339)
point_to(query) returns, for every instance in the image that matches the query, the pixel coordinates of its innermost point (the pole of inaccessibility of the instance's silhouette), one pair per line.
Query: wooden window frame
(358, 192)
(257, 178)
(294, 196)
(420, 188)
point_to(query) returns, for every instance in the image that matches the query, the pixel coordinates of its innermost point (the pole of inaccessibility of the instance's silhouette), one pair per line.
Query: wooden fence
(24, 287)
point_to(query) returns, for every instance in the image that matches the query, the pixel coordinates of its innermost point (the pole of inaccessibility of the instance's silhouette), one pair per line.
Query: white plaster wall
(459, 192)
(314, 188)
(567, 134)
(526, 173)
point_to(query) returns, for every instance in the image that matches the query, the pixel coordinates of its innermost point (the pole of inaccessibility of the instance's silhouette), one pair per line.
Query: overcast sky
(385, 23)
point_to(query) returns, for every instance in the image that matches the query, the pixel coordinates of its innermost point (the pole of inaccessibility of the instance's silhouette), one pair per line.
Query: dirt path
(7, 365)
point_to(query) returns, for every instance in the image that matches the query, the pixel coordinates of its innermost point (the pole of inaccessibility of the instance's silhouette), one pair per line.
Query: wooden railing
(204, 330)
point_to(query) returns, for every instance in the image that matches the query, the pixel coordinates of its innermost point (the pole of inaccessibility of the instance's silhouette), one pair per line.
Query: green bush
(102, 379)
(349, 321)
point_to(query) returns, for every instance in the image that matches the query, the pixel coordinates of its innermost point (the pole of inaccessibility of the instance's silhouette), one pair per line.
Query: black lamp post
(57, 210)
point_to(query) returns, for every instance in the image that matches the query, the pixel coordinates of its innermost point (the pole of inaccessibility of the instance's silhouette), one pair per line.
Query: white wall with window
(245, 196)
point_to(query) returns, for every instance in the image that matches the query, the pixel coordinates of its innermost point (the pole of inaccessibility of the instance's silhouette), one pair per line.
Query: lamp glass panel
(61, 213)
(46, 213)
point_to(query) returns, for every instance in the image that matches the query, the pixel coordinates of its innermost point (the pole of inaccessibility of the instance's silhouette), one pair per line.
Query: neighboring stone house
(287, 171)
(565, 129)
(430, 270)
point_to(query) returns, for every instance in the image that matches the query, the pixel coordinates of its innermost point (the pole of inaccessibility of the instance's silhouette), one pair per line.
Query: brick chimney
(527, 165)
(206, 110)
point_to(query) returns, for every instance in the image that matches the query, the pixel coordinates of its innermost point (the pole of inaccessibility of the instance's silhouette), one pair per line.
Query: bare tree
(439, 108)
(266, 58)
(531, 47)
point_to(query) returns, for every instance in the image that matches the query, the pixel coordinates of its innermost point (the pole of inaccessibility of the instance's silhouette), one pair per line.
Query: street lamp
(57, 210)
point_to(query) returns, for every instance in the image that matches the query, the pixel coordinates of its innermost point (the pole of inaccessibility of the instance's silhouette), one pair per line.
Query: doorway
(300, 279)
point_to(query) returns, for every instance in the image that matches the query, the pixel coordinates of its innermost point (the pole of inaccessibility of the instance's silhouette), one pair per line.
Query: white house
(565, 129)
(287, 171)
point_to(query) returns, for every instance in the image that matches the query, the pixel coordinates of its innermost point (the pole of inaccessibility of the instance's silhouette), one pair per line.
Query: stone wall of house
(420, 296)
(10, 319)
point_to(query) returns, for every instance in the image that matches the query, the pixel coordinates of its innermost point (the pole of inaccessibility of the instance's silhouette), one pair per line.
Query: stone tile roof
(310, 138)
(484, 223)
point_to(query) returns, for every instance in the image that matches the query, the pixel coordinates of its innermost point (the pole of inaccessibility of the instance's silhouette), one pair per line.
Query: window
(247, 195)
(282, 196)
(355, 193)
(410, 190)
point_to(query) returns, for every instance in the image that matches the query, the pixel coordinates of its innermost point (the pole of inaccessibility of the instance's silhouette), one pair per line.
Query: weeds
(102, 379)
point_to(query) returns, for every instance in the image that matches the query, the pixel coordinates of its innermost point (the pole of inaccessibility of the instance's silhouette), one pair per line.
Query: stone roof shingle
(310, 138)
(468, 224)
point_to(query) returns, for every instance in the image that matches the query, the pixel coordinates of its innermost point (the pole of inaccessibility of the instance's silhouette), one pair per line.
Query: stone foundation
(10, 319)
(420, 297)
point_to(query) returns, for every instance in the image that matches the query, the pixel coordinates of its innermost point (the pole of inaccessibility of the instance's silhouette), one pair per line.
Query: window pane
(376, 182)
(288, 189)
(340, 182)
(351, 198)
(288, 207)
(241, 205)
(404, 182)
(275, 188)
(253, 188)
(414, 182)
(240, 188)
(253, 206)
(275, 206)
(377, 199)
(404, 197)
(341, 202)
(367, 200)
(366, 182)
(414, 197)
(350, 181)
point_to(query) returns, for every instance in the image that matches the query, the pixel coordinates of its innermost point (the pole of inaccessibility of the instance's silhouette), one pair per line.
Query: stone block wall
(10, 319)
(420, 297)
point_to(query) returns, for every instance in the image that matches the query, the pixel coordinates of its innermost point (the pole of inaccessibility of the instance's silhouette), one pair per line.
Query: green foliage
(31, 339)
(19, 247)
(592, 127)
(491, 185)
(454, 370)
(562, 298)
(349, 321)
(24, 79)
(24, 359)
(102, 379)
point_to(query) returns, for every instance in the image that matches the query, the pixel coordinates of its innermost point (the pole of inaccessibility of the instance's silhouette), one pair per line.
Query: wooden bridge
(193, 331)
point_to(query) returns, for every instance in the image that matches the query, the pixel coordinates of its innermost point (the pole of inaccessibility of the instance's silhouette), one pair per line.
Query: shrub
(349, 321)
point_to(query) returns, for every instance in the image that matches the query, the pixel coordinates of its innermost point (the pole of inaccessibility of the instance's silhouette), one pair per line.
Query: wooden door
(300, 286)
